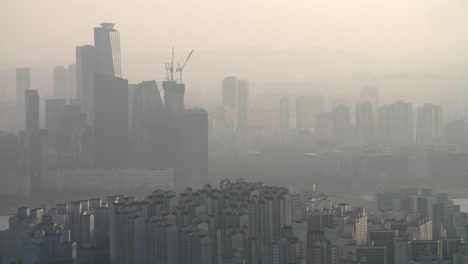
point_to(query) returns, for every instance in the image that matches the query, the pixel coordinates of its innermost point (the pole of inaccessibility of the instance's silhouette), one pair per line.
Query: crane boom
(180, 69)
(186, 60)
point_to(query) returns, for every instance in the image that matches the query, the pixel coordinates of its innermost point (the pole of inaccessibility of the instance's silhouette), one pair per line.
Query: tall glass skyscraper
(107, 44)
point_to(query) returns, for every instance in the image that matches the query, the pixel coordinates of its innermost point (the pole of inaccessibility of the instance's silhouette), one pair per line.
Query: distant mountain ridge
(326, 67)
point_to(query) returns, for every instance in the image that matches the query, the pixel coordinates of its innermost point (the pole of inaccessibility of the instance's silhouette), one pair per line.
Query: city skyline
(310, 132)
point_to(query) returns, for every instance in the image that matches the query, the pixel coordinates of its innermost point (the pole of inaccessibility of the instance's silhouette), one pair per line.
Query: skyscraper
(71, 73)
(242, 105)
(32, 137)
(230, 91)
(76, 138)
(110, 137)
(23, 83)
(107, 43)
(173, 97)
(192, 154)
(54, 109)
(147, 128)
(60, 84)
(85, 67)
(285, 114)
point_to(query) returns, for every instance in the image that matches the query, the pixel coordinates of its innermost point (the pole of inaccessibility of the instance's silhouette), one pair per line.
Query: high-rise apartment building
(33, 137)
(365, 123)
(341, 124)
(429, 125)
(396, 125)
(307, 109)
(285, 114)
(303, 113)
(243, 94)
(107, 44)
(110, 134)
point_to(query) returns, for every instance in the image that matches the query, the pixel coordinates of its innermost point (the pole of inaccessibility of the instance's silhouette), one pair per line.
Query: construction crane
(167, 70)
(181, 68)
(171, 65)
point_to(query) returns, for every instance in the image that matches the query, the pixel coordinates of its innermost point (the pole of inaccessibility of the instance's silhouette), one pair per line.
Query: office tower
(60, 83)
(230, 85)
(425, 248)
(147, 128)
(107, 44)
(173, 97)
(110, 135)
(71, 73)
(365, 123)
(54, 109)
(192, 153)
(341, 124)
(429, 125)
(33, 137)
(85, 67)
(370, 94)
(242, 105)
(396, 125)
(285, 114)
(384, 238)
(455, 133)
(372, 255)
(23, 83)
(76, 147)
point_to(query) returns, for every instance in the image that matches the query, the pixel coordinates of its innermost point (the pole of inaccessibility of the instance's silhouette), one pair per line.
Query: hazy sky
(36, 29)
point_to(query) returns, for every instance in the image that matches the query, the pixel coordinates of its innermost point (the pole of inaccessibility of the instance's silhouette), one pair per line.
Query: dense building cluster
(241, 222)
(100, 132)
